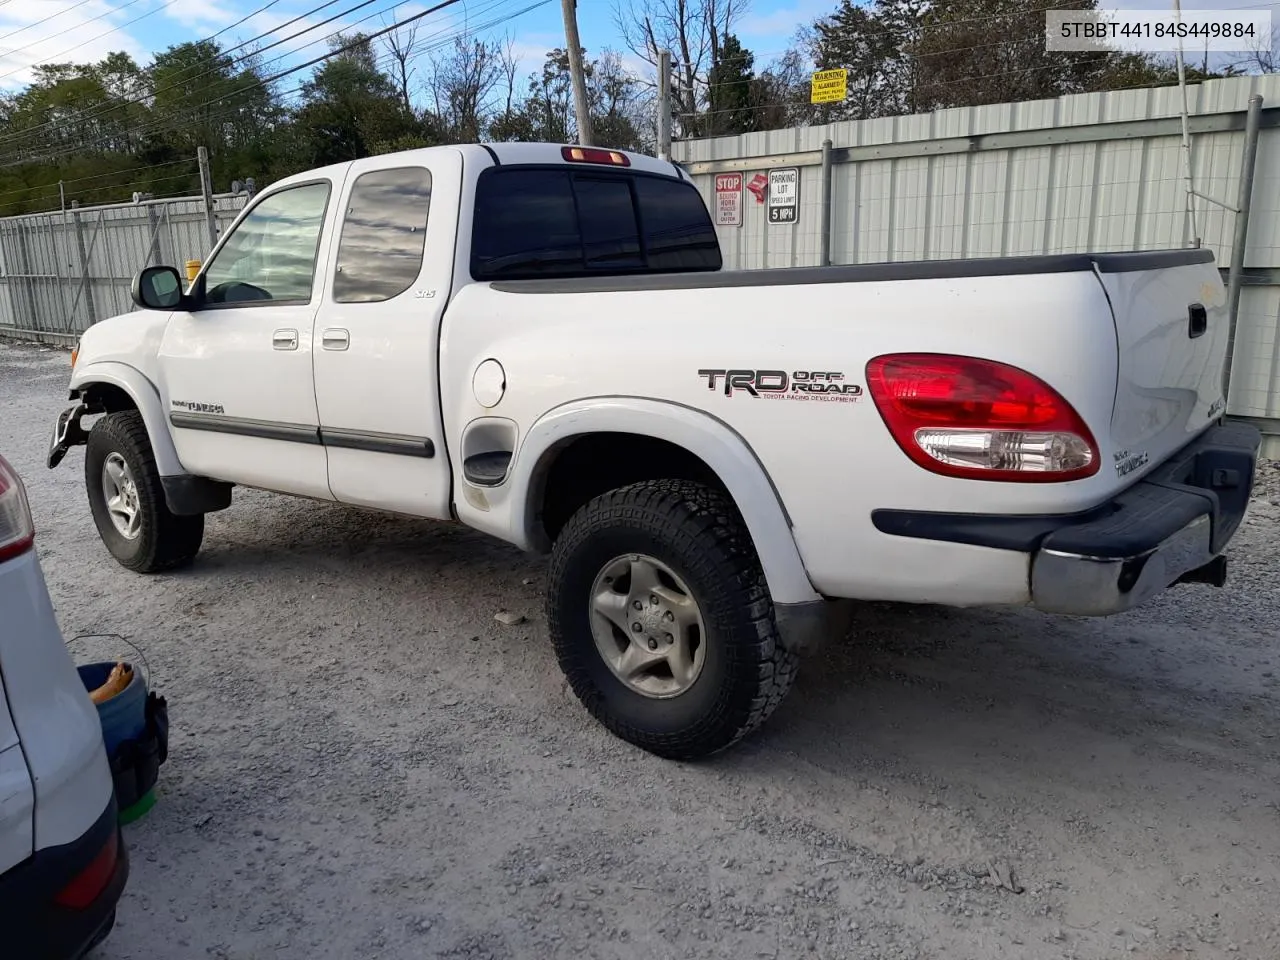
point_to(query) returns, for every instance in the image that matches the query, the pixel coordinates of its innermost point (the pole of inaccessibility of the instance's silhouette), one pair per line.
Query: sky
(42, 31)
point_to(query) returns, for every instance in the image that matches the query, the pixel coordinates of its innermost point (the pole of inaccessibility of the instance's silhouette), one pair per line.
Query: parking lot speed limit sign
(784, 195)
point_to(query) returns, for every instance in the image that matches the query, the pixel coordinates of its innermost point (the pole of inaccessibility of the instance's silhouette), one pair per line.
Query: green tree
(348, 106)
(731, 91)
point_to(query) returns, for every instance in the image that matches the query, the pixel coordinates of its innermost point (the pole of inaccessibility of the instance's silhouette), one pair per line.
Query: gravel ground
(365, 764)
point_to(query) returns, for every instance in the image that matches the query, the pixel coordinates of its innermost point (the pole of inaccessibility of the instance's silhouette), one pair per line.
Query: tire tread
(763, 669)
(170, 541)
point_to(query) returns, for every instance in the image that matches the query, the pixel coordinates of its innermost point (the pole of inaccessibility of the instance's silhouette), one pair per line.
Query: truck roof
(483, 155)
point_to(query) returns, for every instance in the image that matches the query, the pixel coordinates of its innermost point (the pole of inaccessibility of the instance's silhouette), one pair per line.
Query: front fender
(145, 397)
(708, 438)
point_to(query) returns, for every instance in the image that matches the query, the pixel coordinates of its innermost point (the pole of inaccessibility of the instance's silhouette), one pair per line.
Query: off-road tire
(697, 532)
(165, 541)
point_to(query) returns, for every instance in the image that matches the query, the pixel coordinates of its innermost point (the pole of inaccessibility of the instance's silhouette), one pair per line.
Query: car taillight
(17, 532)
(973, 418)
(84, 889)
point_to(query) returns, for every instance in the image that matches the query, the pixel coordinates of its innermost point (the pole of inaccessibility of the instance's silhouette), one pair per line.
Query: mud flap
(67, 433)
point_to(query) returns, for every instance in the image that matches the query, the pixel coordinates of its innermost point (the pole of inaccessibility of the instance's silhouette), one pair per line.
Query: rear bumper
(37, 927)
(1169, 527)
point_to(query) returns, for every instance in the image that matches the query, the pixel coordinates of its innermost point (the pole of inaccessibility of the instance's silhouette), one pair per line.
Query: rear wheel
(127, 499)
(662, 621)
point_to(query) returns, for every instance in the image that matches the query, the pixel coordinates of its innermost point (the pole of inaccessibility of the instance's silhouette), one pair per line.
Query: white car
(63, 863)
(538, 341)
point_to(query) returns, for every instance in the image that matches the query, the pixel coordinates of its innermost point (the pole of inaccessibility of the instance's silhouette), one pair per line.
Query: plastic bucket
(124, 716)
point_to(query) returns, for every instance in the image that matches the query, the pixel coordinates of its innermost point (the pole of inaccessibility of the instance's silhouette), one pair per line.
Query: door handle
(335, 338)
(284, 340)
(1197, 320)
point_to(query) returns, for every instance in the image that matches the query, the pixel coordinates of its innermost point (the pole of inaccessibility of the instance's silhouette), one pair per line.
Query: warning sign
(784, 195)
(829, 86)
(728, 199)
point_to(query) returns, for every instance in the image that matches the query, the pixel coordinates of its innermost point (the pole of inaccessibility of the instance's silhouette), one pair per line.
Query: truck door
(236, 372)
(377, 335)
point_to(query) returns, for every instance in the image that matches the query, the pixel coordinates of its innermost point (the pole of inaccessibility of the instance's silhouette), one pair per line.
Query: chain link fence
(61, 272)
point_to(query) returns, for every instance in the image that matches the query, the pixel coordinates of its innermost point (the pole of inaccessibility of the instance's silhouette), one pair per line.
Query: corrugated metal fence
(61, 272)
(1085, 173)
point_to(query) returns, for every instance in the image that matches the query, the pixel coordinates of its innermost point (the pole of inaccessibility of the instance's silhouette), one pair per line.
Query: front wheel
(662, 620)
(127, 499)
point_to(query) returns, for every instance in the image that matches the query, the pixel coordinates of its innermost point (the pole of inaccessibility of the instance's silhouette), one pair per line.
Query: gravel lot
(365, 764)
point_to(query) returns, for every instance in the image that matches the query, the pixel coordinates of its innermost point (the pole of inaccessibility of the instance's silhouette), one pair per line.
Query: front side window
(271, 254)
(383, 235)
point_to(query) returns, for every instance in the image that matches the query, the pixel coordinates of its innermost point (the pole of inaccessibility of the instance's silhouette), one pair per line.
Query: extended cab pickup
(540, 342)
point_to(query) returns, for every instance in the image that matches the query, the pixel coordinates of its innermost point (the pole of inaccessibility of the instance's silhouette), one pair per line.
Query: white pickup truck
(540, 342)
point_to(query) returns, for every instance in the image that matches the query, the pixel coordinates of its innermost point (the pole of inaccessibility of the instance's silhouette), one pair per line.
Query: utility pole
(664, 105)
(206, 191)
(576, 72)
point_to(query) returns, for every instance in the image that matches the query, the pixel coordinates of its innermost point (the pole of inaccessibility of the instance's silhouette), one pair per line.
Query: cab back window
(537, 222)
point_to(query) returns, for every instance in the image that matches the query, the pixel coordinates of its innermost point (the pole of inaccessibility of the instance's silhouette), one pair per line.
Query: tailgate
(1171, 333)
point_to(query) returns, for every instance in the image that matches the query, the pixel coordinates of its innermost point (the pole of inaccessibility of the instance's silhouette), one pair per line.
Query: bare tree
(463, 81)
(1261, 59)
(508, 67)
(402, 45)
(694, 32)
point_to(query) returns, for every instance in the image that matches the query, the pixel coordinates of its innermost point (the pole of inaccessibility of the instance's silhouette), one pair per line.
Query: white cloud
(201, 15)
(772, 31)
(84, 34)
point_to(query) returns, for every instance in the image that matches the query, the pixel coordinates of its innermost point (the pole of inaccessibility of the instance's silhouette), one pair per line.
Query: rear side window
(676, 226)
(526, 226)
(535, 222)
(384, 230)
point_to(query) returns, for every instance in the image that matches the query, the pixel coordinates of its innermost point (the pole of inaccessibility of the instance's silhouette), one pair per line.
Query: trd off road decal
(780, 385)
(197, 407)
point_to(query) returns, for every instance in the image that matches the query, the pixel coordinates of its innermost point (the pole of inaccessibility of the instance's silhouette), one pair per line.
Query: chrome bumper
(1082, 585)
(1170, 527)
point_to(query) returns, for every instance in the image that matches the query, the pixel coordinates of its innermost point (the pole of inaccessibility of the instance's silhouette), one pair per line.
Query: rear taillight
(966, 417)
(16, 529)
(89, 883)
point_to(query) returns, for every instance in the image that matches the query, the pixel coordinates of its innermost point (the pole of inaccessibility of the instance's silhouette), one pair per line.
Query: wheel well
(588, 466)
(107, 398)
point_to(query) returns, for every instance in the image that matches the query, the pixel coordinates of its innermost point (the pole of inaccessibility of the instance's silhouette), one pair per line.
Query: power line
(81, 3)
(247, 16)
(167, 3)
(101, 110)
(164, 122)
(924, 86)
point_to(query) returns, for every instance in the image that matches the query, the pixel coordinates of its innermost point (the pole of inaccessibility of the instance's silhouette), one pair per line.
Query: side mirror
(157, 288)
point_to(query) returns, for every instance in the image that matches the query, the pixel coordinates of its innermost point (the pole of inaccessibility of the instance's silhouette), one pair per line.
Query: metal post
(664, 105)
(153, 228)
(1186, 135)
(1239, 243)
(86, 290)
(825, 259)
(28, 278)
(62, 197)
(206, 190)
(577, 75)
